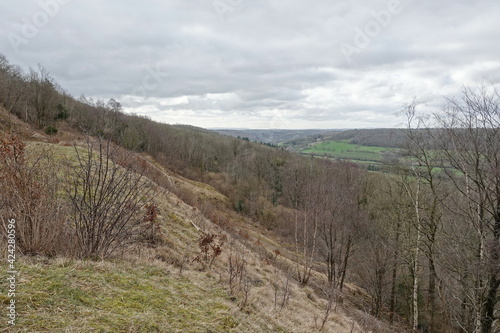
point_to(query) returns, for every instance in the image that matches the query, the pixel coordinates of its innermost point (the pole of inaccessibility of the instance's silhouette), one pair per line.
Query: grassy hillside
(58, 295)
(162, 288)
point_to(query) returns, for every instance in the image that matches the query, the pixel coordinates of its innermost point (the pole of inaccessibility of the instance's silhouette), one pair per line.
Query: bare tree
(468, 145)
(343, 218)
(12, 85)
(471, 145)
(385, 248)
(304, 190)
(42, 95)
(421, 150)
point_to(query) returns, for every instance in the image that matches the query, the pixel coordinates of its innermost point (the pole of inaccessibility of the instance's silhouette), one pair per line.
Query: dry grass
(264, 270)
(79, 296)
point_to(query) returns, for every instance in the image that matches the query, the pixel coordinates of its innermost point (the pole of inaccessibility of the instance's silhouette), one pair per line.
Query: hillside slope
(162, 288)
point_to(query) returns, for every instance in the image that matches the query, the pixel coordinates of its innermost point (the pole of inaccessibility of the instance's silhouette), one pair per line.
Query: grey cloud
(276, 62)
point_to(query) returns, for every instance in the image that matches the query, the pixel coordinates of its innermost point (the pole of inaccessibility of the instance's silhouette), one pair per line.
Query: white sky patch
(221, 97)
(142, 110)
(174, 101)
(478, 71)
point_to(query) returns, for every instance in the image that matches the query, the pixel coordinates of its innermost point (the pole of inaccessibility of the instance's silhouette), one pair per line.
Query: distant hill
(381, 137)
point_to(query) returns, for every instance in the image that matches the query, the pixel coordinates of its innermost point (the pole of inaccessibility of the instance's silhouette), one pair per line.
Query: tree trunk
(432, 294)
(416, 261)
(488, 312)
(394, 274)
(415, 283)
(346, 259)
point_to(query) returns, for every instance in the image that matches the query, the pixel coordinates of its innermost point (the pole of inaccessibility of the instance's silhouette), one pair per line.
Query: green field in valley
(346, 150)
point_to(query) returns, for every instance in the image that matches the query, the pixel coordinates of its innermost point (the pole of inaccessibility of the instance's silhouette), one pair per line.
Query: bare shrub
(210, 248)
(150, 231)
(282, 291)
(239, 282)
(332, 296)
(106, 198)
(29, 187)
(181, 262)
(246, 287)
(236, 271)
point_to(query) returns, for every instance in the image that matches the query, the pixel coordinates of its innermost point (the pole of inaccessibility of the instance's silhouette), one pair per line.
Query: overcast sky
(255, 63)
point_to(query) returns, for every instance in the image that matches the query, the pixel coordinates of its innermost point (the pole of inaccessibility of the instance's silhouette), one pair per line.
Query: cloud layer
(259, 64)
